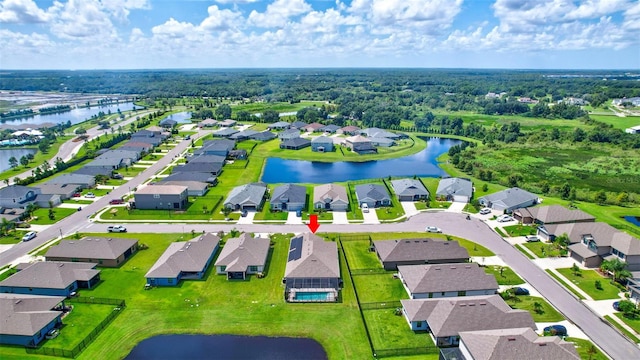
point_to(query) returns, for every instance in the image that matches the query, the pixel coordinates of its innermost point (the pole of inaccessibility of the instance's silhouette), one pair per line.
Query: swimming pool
(313, 296)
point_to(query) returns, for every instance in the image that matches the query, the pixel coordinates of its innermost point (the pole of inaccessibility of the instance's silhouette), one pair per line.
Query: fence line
(426, 350)
(381, 305)
(375, 271)
(354, 237)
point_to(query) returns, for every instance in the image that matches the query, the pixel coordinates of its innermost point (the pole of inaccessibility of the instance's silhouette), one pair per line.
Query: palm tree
(617, 268)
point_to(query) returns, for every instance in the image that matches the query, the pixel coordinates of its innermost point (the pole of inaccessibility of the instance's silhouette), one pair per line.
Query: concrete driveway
(293, 219)
(247, 219)
(456, 207)
(340, 217)
(370, 217)
(409, 208)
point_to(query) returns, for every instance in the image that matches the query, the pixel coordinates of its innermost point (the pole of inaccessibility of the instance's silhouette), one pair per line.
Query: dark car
(299, 213)
(557, 330)
(244, 213)
(117, 176)
(520, 291)
(616, 306)
(116, 202)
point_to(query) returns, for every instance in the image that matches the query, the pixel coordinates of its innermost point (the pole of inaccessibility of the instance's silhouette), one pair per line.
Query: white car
(433, 229)
(485, 211)
(532, 238)
(504, 218)
(29, 236)
(117, 228)
(90, 195)
(365, 208)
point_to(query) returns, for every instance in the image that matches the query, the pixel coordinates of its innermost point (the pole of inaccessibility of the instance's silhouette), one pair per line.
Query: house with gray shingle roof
(554, 214)
(246, 197)
(168, 123)
(203, 158)
(26, 319)
(243, 135)
(191, 176)
(289, 134)
(184, 260)
(80, 180)
(227, 122)
(382, 141)
(312, 273)
(509, 199)
(409, 189)
(393, 253)
(17, 196)
(64, 191)
(51, 278)
(289, 197)
(220, 147)
(374, 195)
(446, 280)
(280, 125)
(375, 132)
(329, 128)
(517, 343)
(322, 144)
(295, 144)
(360, 144)
(330, 197)
(225, 132)
(211, 168)
(108, 252)
(208, 123)
(243, 256)
(194, 188)
(298, 124)
(161, 197)
(446, 318)
(263, 136)
(349, 130)
(455, 189)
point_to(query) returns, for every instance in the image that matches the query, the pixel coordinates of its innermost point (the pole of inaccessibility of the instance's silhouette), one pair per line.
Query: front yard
(543, 250)
(520, 230)
(543, 312)
(586, 281)
(504, 275)
(41, 216)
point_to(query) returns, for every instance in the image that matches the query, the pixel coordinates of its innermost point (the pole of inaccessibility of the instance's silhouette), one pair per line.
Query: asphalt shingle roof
(409, 187)
(91, 248)
(455, 186)
(51, 275)
(248, 193)
(289, 193)
(189, 256)
(446, 278)
(25, 315)
(419, 249)
(509, 198)
(555, 214)
(318, 258)
(372, 191)
(244, 251)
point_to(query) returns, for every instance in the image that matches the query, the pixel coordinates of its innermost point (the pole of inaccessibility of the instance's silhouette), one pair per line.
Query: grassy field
(217, 306)
(586, 279)
(616, 121)
(391, 331)
(546, 313)
(379, 288)
(282, 107)
(565, 285)
(508, 276)
(78, 324)
(359, 256)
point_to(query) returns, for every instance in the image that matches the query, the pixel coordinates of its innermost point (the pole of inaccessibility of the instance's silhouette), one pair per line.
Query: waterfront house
(409, 189)
(330, 197)
(455, 189)
(243, 256)
(289, 197)
(51, 278)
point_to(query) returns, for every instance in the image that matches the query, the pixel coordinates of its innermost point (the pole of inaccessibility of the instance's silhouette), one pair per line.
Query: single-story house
(246, 197)
(393, 253)
(295, 144)
(95, 170)
(446, 280)
(375, 132)
(184, 260)
(289, 134)
(455, 189)
(227, 122)
(238, 154)
(194, 188)
(312, 273)
(353, 141)
(26, 319)
(446, 318)
(374, 195)
(126, 157)
(191, 176)
(81, 181)
(64, 191)
(48, 200)
(509, 199)
(212, 168)
(220, 147)
(225, 132)
(243, 135)
(510, 344)
(208, 123)
(349, 130)
(107, 252)
(409, 189)
(202, 158)
(298, 124)
(554, 214)
(144, 133)
(329, 128)
(280, 125)
(382, 141)
(168, 123)
(161, 197)
(633, 285)
(289, 197)
(51, 278)
(17, 196)
(263, 136)
(151, 140)
(313, 127)
(242, 256)
(322, 144)
(330, 197)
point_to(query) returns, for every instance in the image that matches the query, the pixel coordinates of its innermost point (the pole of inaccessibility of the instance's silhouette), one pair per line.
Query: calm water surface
(75, 116)
(6, 154)
(633, 219)
(227, 347)
(181, 117)
(424, 163)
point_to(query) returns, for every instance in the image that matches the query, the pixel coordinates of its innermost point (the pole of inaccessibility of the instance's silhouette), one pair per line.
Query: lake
(181, 117)
(75, 115)
(424, 163)
(6, 154)
(635, 220)
(228, 347)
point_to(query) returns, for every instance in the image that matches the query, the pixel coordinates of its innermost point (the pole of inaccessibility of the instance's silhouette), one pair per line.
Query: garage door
(459, 198)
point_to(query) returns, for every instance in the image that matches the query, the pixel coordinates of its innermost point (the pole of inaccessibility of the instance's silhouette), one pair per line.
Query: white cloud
(22, 12)
(278, 13)
(120, 9)
(174, 29)
(221, 19)
(235, 1)
(82, 19)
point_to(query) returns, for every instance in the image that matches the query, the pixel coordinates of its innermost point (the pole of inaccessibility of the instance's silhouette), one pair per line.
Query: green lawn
(586, 282)
(379, 288)
(633, 323)
(525, 302)
(499, 231)
(630, 335)
(12, 237)
(565, 285)
(267, 214)
(78, 324)
(526, 253)
(41, 216)
(359, 256)
(38, 159)
(617, 122)
(520, 230)
(543, 250)
(508, 277)
(391, 331)
(583, 347)
(217, 306)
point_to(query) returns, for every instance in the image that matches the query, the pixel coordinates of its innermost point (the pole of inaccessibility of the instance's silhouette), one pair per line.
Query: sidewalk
(572, 285)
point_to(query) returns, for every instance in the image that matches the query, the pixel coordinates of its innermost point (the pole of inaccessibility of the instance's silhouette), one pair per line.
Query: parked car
(29, 236)
(365, 208)
(504, 218)
(520, 291)
(117, 228)
(299, 213)
(89, 195)
(558, 330)
(188, 137)
(52, 334)
(485, 211)
(433, 229)
(76, 195)
(616, 305)
(532, 238)
(244, 213)
(116, 201)
(117, 176)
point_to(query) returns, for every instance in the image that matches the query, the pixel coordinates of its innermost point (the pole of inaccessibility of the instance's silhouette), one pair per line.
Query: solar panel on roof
(295, 249)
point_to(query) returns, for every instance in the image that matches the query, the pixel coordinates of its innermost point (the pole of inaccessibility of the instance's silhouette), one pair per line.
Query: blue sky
(148, 34)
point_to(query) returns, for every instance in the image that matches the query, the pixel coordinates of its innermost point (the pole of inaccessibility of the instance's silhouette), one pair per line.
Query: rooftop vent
(511, 339)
